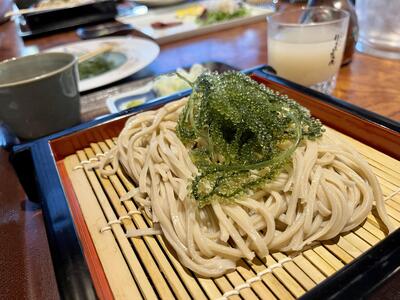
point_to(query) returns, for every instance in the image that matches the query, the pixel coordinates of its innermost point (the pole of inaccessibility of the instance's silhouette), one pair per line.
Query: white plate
(138, 53)
(189, 26)
(159, 2)
(143, 93)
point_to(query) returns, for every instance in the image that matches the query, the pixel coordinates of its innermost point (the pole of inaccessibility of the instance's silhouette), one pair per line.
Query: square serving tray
(89, 264)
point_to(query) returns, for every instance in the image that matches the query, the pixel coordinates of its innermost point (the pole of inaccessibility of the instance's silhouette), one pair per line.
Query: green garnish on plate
(241, 134)
(220, 16)
(101, 64)
(95, 66)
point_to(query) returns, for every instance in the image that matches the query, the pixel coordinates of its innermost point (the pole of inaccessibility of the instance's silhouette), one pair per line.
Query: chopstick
(24, 11)
(103, 49)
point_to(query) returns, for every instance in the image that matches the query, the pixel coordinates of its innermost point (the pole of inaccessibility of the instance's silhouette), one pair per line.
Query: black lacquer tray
(79, 270)
(43, 22)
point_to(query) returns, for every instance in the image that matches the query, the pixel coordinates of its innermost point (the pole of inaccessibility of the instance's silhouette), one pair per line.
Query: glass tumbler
(379, 22)
(306, 45)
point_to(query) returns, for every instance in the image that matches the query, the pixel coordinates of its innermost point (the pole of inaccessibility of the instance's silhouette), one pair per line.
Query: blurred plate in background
(185, 21)
(128, 56)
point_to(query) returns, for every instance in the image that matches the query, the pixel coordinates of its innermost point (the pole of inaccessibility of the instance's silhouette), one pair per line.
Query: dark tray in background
(35, 164)
(37, 23)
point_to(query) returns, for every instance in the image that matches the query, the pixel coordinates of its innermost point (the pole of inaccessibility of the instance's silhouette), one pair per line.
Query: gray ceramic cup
(39, 94)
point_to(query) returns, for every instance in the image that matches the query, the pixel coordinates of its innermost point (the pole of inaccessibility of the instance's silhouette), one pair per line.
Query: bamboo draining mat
(145, 267)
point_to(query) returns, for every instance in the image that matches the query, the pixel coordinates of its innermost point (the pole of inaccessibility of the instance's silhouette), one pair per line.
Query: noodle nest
(326, 189)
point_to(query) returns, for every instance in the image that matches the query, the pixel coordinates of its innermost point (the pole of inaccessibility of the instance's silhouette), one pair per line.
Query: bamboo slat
(348, 247)
(374, 230)
(283, 276)
(275, 286)
(129, 254)
(309, 269)
(329, 257)
(338, 252)
(295, 272)
(147, 268)
(117, 272)
(319, 262)
(158, 266)
(258, 287)
(366, 236)
(237, 280)
(356, 241)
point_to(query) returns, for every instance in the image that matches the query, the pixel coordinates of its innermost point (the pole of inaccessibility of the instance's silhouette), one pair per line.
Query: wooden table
(370, 82)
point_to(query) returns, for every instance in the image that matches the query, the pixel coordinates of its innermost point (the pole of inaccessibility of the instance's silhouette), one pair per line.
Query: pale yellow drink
(306, 45)
(309, 63)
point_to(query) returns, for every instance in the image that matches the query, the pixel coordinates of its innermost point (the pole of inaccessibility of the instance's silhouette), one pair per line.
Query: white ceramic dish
(189, 26)
(138, 54)
(141, 94)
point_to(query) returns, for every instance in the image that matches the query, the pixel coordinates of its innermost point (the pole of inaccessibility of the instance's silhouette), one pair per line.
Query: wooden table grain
(370, 82)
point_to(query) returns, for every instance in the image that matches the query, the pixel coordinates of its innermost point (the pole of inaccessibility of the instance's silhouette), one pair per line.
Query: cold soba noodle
(321, 189)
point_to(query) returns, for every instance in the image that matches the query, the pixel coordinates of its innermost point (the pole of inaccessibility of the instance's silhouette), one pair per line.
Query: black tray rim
(375, 265)
(25, 31)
